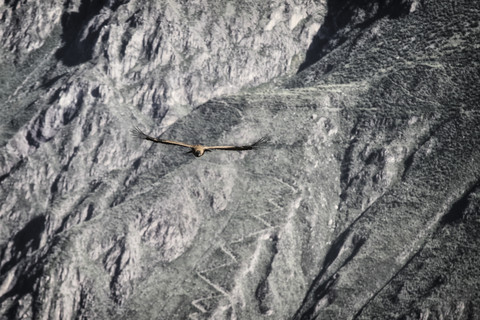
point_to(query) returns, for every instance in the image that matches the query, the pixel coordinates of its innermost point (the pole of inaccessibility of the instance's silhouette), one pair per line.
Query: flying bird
(197, 149)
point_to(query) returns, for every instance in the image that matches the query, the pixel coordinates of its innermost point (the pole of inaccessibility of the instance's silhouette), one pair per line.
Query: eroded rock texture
(363, 204)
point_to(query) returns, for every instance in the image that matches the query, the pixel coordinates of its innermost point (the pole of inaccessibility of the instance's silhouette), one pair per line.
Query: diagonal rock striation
(363, 204)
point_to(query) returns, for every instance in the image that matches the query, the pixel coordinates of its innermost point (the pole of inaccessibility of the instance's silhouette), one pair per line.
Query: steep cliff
(363, 204)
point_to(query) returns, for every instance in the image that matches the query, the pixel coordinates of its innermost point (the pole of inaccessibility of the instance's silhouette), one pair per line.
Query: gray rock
(363, 203)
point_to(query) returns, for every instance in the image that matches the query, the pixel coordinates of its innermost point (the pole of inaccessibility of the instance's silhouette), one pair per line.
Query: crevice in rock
(76, 50)
(375, 294)
(346, 166)
(12, 3)
(115, 260)
(457, 210)
(343, 14)
(27, 239)
(14, 168)
(320, 287)
(54, 188)
(49, 82)
(25, 285)
(31, 273)
(263, 288)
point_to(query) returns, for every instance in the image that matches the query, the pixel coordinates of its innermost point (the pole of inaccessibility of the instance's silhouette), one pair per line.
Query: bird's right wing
(140, 134)
(253, 146)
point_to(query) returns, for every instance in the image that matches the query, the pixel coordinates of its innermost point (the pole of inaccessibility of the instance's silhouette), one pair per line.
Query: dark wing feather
(140, 134)
(253, 146)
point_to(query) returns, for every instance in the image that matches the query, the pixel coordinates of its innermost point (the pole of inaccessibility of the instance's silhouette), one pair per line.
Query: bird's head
(198, 151)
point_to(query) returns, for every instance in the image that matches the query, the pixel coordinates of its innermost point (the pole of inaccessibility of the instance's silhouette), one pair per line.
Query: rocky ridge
(363, 205)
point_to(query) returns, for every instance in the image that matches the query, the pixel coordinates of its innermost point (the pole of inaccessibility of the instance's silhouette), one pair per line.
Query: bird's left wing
(139, 134)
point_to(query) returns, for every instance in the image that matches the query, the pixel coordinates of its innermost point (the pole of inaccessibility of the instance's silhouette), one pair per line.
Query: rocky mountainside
(364, 203)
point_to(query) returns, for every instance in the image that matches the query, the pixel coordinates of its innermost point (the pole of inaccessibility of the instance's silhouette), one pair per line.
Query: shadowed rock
(364, 204)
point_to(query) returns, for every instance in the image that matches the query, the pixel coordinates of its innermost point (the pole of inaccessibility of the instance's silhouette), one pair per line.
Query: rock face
(363, 204)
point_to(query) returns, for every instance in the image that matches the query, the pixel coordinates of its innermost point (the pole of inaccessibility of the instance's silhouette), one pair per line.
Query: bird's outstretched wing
(139, 134)
(255, 145)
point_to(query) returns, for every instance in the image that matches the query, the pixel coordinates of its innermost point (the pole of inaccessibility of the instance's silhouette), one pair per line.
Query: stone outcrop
(363, 204)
